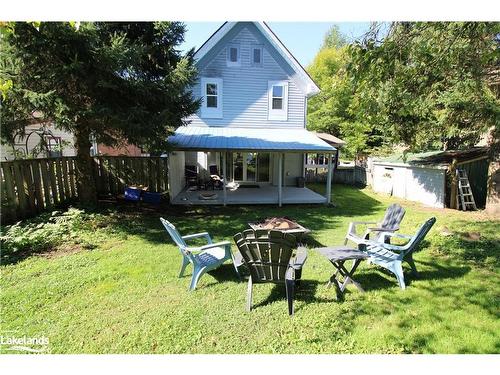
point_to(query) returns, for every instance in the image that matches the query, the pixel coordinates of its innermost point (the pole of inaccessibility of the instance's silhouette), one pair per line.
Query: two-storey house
(251, 127)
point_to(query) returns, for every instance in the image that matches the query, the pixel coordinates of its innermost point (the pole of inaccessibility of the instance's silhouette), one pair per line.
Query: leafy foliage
(44, 232)
(423, 85)
(337, 108)
(429, 81)
(334, 38)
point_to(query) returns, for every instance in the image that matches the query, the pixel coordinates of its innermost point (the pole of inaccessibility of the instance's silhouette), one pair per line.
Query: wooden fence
(113, 173)
(30, 186)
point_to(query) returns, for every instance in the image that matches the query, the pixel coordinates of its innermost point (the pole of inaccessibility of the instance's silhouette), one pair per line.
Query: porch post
(329, 180)
(224, 167)
(280, 178)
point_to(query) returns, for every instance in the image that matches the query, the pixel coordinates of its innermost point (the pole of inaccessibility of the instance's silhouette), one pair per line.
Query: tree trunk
(86, 184)
(493, 184)
(452, 170)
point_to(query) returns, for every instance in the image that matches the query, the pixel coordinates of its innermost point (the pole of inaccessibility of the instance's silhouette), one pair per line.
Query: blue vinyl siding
(245, 88)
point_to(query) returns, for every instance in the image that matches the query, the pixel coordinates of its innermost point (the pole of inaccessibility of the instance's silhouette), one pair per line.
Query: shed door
(386, 180)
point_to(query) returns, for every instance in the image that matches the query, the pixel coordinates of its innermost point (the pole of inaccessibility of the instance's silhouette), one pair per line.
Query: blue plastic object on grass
(132, 194)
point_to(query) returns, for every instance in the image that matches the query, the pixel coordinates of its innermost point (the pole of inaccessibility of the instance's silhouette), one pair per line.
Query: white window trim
(207, 112)
(261, 48)
(228, 61)
(277, 114)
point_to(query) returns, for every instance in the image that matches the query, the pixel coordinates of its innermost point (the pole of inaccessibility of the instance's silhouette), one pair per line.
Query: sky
(303, 39)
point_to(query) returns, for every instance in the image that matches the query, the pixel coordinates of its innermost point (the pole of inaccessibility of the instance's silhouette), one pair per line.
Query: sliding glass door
(263, 163)
(251, 162)
(250, 166)
(238, 167)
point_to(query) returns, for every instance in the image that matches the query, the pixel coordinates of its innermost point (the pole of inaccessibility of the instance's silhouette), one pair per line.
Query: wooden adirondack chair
(268, 256)
(390, 223)
(203, 258)
(391, 257)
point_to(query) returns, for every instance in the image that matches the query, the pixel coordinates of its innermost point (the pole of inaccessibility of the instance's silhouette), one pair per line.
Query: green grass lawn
(112, 287)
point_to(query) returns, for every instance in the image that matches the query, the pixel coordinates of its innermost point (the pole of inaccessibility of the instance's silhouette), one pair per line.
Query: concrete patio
(242, 195)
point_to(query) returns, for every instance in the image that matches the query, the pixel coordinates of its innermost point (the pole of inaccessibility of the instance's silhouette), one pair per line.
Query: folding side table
(338, 255)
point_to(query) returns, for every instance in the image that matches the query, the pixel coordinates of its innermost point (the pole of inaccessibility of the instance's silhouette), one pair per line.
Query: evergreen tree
(117, 82)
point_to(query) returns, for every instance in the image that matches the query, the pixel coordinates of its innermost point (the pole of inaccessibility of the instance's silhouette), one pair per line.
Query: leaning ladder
(465, 199)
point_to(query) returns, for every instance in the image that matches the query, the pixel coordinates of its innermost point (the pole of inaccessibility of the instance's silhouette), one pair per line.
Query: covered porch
(238, 154)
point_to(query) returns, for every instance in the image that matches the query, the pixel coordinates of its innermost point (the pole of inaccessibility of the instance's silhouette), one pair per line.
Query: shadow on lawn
(225, 222)
(474, 242)
(305, 291)
(376, 278)
(224, 273)
(121, 219)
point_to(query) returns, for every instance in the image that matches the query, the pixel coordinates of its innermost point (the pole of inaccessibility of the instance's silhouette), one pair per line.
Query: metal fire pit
(283, 224)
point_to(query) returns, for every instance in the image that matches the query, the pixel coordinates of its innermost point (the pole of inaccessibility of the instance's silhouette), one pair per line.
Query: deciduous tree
(429, 81)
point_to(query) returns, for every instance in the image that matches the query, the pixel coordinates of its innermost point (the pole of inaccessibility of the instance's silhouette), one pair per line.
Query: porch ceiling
(247, 139)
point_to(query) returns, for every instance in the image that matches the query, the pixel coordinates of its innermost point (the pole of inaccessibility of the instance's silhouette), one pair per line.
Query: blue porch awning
(247, 139)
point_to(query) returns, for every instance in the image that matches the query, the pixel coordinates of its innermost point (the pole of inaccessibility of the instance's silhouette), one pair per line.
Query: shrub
(43, 232)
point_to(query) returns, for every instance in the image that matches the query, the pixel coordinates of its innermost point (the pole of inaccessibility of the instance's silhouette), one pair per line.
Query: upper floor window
(211, 89)
(256, 55)
(278, 100)
(233, 55)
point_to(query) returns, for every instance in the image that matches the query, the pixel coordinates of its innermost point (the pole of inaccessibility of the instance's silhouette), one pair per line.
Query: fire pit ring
(283, 224)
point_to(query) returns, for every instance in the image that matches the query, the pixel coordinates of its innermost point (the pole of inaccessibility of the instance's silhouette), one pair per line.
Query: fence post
(38, 185)
(9, 182)
(65, 176)
(72, 177)
(20, 188)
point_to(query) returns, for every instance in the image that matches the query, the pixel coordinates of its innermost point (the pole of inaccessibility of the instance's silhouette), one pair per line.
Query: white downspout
(224, 168)
(329, 180)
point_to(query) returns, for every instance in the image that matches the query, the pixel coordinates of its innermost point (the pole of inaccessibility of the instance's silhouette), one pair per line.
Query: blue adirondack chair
(391, 257)
(204, 258)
